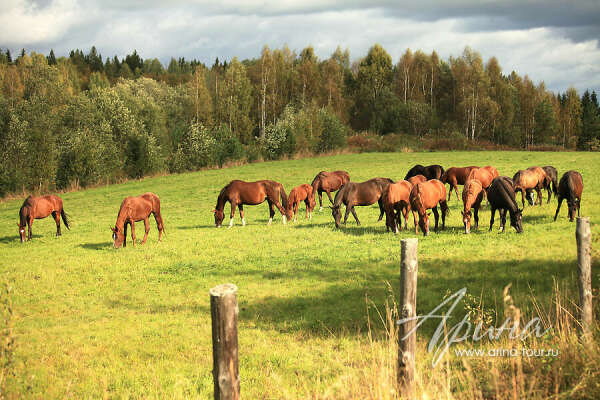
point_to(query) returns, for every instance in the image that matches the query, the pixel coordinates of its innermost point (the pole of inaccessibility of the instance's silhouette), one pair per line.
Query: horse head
(467, 221)
(219, 217)
(118, 237)
(21, 232)
(516, 220)
(572, 206)
(337, 214)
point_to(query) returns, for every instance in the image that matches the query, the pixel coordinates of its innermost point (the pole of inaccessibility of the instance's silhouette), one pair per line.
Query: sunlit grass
(91, 320)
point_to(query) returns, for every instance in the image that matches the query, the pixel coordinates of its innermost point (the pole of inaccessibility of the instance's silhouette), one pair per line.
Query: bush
(333, 134)
(228, 146)
(280, 138)
(196, 150)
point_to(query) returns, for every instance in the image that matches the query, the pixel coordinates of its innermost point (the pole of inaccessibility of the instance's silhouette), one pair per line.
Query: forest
(82, 119)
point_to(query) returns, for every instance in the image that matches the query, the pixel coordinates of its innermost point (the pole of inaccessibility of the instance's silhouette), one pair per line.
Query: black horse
(501, 195)
(570, 188)
(359, 194)
(553, 175)
(430, 172)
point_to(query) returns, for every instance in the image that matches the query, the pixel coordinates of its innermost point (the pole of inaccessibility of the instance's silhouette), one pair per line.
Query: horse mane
(22, 216)
(571, 191)
(221, 197)
(339, 196)
(513, 202)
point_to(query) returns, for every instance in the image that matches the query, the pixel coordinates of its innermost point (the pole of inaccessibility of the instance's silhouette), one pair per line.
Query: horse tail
(65, 218)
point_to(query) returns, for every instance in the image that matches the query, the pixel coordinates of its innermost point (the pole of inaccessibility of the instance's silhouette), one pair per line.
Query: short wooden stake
(408, 300)
(224, 311)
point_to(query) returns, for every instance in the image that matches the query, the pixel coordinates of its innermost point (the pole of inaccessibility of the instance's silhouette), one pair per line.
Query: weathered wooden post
(583, 234)
(408, 301)
(224, 311)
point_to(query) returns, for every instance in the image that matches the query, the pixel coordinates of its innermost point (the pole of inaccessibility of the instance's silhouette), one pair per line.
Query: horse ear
(214, 211)
(18, 225)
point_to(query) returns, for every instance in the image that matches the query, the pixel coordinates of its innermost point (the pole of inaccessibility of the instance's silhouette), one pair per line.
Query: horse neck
(222, 199)
(121, 217)
(339, 196)
(24, 213)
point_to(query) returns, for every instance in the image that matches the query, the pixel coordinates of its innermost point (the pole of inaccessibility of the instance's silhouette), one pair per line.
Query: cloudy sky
(551, 40)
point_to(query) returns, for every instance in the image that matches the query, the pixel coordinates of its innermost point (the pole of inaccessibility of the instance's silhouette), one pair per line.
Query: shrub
(280, 137)
(196, 150)
(228, 146)
(333, 134)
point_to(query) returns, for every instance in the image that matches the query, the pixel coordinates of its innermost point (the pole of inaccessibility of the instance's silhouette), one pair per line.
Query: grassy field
(90, 320)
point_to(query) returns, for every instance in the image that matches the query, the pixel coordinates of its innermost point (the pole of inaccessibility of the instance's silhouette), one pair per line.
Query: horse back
(153, 199)
(396, 192)
(472, 191)
(501, 194)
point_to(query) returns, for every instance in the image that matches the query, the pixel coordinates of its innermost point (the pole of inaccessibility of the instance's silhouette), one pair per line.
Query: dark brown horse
(472, 196)
(525, 181)
(300, 193)
(38, 208)
(416, 179)
(570, 188)
(455, 176)
(359, 194)
(424, 196)
(501, 195)
(430, 172)
(135, 209)
(553, 180)
(328, 182)
(240, 193)
(396, 202)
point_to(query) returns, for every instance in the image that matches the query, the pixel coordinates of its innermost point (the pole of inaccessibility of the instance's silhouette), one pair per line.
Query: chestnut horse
(416, 179)
(527, 180)
(328, 182)
(472, 196)
(455, 176)
(424, 196)
(38, 208)
(359, 194)
(430, 172)
(483, 175)
(544, 179)
(239, 193)
(491, 170)
(396, 202)
(570, 188)
(552, 180)
(135, 209)
(300, 193)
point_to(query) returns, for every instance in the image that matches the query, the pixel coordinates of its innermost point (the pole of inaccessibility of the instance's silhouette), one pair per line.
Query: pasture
(90, 320)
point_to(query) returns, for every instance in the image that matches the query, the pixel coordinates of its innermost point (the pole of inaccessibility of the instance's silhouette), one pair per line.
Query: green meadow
(91, 321)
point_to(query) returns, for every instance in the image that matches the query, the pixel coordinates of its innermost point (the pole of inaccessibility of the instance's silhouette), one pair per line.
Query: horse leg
(560, 200)
(132, 223)
(125, 234)
(241, 210)
(380, 202)
(271, 212)
(456, 191)
(159, 224)
(476, 215)
(232, 214)
(329, 195)
(502, 219)
(29, 233)
(307, 205)
(437, 216)
(492, 218)
(405, 212)
(355, 216)
(578, 205)
(320, 200)
(444, 208)
(56, 216)
(147, 229)
(415, 221)
(539, 195)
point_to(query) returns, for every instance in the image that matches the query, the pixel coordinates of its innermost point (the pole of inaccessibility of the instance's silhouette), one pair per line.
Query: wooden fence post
(583, 234)
(408, 301)
(224, 311)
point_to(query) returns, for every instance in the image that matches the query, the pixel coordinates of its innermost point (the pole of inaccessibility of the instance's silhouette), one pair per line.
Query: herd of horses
(422, 189)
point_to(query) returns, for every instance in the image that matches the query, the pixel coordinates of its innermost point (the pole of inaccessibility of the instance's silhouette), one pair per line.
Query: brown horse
(472, 196)
(455, 176)
(416, 179)
(544, 180)
(300, 193)
(527, 180)
(328, 182)
(396, 202)
(430, 172)
(359, 194)
(135, 209)
(491, 170)
(240, 193)
(553, 179)
(38, 208)
(424, 196)
(483, 175)
(570, 188)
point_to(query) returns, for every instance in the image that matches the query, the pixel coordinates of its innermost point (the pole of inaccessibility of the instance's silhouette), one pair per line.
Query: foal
(300, 193)
(424, 196)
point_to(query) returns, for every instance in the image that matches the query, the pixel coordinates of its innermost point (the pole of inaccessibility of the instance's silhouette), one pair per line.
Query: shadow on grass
(15, 238)
(97, 246)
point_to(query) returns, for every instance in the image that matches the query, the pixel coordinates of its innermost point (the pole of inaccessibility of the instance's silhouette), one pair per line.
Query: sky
(555, 41)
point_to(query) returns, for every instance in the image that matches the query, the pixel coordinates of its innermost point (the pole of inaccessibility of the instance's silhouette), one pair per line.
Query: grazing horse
(416, 179)
(300, 193)
(491, 170)
(570, 188)
(553, 177)
(472, 196)
(501, 196)
(544, 180)
(527, 180)
(430, 172)
(455, 176)
(483, 175)
(328, 182)
(38, 208)
(424, 196)
(135, 209)
(359, 194)
(239, 193)
(396, 202)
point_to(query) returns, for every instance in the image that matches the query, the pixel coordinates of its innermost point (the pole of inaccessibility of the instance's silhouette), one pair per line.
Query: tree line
(84, 119)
